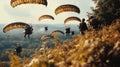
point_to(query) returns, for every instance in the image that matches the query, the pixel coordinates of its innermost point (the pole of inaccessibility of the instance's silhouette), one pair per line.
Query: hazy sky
(30, 13)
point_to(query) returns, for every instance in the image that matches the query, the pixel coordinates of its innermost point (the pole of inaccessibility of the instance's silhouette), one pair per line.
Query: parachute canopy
(46, 37)
(67, 8)
(46, 17)
(15, 3)
(15, 25)
(71, 19)
(56, 32)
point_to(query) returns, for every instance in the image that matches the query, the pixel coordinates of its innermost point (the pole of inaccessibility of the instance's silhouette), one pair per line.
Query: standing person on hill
(18, 50)
(83, 27)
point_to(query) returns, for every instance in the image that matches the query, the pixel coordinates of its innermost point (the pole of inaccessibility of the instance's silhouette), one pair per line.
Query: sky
(30, 13)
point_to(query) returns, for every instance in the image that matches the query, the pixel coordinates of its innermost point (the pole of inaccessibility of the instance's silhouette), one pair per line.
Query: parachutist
(67, 30)
(72, 32)
(46, 28)
(28, 31)
(16, 25)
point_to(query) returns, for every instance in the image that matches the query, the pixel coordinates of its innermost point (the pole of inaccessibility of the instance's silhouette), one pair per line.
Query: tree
(106, 11)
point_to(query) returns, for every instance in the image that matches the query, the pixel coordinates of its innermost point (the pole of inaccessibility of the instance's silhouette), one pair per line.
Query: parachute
(46, 37)
(45, 17)
(71, 19)
(56, 32)
(67, 8)
(15, 25)
(15, 3)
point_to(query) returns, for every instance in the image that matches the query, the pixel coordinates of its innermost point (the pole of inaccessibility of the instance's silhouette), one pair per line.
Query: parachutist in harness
(46, 28)
(67, 32)
(72, 32)
(28, 31)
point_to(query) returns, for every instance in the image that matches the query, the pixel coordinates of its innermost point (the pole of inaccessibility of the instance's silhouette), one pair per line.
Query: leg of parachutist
(25, 35)
(28, 36)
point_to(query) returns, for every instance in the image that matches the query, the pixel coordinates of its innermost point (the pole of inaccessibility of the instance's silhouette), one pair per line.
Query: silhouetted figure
(28, 31)
(18, 50)
(83, 26)
(67, 30)
(46, 28)
(72, 32)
